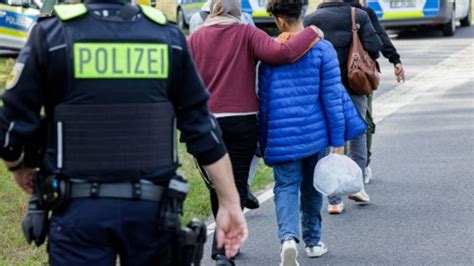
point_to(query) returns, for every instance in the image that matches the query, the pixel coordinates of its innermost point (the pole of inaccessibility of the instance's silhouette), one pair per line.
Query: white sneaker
(336, 208)
(317, 251)
(362, 196)
(368, 175)
(288, 254)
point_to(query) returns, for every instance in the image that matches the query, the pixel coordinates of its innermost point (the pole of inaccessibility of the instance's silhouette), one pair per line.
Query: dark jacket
(41, 78)
(388, 50)
(334, 19)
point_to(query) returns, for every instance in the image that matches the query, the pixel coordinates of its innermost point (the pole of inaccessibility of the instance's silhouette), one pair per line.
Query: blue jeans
(294, 192)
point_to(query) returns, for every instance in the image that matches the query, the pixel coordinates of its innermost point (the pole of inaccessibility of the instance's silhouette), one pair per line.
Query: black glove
(35, 223)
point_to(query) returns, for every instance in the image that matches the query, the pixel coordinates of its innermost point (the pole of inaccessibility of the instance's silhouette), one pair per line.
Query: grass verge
(5, 67)
(13, 203)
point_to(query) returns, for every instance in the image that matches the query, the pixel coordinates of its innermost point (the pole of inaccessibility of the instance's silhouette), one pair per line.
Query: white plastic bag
(337, 175)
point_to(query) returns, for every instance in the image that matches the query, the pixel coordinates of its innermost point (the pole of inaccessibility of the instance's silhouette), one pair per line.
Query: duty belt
(124, 190)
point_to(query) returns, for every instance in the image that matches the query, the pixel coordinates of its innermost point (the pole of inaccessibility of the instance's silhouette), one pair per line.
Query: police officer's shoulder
(178, 39)
(45, 17)
(154, 14)
(70, 11)
(49, 29)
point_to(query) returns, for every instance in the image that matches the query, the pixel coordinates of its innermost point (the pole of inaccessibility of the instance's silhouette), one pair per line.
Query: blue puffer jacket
(304, 108)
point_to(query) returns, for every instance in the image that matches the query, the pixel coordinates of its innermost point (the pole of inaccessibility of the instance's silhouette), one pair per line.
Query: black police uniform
(115, 81)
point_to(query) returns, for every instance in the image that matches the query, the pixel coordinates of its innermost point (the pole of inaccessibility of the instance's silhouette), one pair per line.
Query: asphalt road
(422, 208)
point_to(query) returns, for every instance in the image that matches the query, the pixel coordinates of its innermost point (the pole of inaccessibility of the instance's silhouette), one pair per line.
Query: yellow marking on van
(403, 15)
(260, 14)
(13, 33)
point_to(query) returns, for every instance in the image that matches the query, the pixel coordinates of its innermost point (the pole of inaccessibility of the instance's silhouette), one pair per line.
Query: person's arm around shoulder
(269, 51)
(331, 88)
(202, 136)
(367, 34)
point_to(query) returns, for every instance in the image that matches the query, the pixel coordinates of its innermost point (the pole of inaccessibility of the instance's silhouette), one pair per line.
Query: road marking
(451, 72)
(455, 70)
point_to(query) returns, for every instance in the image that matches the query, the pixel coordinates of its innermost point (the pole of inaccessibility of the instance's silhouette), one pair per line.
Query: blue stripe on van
(246, 7)
(16, 21)
(376, 7)
(431, 8)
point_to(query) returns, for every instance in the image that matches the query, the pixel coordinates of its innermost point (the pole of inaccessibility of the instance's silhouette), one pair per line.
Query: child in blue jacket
(304, 109)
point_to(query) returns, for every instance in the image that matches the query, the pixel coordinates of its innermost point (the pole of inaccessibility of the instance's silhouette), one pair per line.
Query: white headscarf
(223, 12)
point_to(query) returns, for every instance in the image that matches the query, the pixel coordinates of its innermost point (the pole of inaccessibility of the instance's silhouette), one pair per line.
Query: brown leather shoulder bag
(362, 69)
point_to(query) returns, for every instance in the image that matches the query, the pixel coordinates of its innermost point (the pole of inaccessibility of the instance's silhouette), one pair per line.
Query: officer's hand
(24, 178)
(399, 73)
(231, 229)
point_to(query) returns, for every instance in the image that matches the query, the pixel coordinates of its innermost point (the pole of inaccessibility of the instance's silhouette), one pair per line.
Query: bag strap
(353, 16)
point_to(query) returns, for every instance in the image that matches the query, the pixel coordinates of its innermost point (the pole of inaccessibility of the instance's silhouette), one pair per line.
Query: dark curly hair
(290, 10)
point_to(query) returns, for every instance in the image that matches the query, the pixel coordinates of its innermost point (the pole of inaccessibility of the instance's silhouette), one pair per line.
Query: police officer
(114, 81)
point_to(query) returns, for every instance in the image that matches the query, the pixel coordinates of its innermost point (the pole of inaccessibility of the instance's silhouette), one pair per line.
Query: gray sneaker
(317, 251)
(289, 253)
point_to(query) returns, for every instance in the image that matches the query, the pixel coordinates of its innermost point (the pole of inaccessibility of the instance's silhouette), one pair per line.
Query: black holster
(49, 193)
(188, 246)
(35, 223)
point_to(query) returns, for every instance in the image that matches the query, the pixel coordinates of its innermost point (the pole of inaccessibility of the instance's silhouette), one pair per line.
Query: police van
(443, 14)
(17, 17)
(181, 11)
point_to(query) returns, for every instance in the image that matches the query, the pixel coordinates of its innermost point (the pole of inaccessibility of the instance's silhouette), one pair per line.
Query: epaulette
(68, 12)
(153, 14)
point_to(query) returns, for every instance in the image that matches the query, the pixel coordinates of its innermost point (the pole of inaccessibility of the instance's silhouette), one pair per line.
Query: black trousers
(94, 231)
(240, 137)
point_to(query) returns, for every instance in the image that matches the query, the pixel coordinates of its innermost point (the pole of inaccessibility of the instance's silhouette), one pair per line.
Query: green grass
(13, 203)
(5, 67)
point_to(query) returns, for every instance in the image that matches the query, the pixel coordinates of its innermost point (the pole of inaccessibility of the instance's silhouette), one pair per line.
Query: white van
(181, 11)
(16, 20)
(443, 14)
